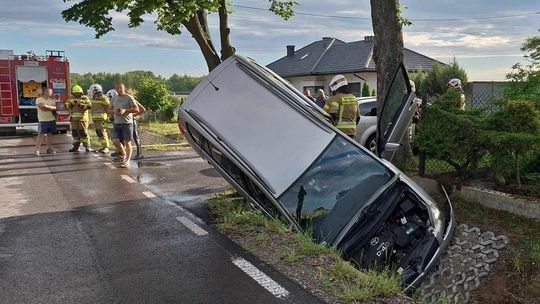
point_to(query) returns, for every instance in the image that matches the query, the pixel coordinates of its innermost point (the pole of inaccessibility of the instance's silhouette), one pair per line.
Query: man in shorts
(123, 106)
(46, 105)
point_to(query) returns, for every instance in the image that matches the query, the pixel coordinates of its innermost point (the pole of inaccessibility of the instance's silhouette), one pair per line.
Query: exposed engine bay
(398, 235)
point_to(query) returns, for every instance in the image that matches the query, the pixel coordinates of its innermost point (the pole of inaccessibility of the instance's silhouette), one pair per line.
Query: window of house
(356, 89)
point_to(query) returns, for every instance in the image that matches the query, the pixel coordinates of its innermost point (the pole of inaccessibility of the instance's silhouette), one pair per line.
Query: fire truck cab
(22, 78)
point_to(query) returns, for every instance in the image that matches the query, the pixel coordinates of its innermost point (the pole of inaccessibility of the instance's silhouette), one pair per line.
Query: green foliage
(170, 15)
(435, 81)
(373, 93)
(513, 132)
(365, 89)
(450, 134)
(525, 78)
(154, 94)
(184, 83)
(133, 79)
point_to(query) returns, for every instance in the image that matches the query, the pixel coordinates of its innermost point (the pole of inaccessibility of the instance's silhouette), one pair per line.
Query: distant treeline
(133, 80)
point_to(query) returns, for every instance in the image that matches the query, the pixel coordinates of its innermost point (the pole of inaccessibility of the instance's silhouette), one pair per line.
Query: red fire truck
(22, 78)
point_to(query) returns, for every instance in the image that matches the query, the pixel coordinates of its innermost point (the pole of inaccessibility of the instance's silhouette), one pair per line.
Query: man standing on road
(100, 106)
(78, 108)
(46, 105)
(123, 106)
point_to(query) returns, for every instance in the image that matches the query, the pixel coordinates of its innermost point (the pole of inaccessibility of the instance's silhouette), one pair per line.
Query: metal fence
(482, 96)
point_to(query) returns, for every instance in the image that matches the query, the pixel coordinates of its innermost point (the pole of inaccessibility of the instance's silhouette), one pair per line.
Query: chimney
(290, 50)
(369, 38)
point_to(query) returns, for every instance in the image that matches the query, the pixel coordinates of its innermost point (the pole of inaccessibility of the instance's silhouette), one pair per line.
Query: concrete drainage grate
(465, 262)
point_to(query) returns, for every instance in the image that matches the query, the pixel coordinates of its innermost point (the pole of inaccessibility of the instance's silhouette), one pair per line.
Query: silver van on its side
(278, 149)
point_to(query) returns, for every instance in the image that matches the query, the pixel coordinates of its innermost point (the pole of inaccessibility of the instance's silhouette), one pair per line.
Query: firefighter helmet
(454, 83)
(76, 89)
(111, 93)
(337, 82)
(96, 89)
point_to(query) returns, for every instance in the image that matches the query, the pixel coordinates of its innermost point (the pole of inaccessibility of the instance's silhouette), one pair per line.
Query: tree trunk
(387, 53)
(227, 50)
(202, 36)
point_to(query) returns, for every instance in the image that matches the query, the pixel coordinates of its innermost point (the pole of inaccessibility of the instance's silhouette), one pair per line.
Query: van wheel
(8, 131)
(371, 143)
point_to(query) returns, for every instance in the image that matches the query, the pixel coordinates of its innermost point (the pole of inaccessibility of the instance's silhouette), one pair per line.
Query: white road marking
(192, 226)
(265, 281)
(111, 166)
(96, 155)
(128, 179)
(149, 194)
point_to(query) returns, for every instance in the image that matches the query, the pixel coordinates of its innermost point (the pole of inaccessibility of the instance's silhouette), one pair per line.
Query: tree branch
(194, 26)
(227, 50)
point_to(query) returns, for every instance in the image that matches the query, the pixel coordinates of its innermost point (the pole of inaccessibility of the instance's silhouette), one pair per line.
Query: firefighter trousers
(79, 132)
(101, 132)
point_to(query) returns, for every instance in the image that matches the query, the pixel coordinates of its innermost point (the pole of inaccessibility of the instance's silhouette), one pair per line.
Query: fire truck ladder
(6, 101)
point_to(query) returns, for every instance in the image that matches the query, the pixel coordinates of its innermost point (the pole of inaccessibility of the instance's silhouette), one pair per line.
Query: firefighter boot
(75, 147)
(87, 148)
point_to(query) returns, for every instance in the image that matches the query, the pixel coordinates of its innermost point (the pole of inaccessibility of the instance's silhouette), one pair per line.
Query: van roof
(265, 129)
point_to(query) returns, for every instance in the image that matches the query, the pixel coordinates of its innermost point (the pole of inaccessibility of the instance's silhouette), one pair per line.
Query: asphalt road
(75, 230)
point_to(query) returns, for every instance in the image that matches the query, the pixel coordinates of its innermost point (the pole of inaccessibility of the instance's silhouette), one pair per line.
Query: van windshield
(334, 188)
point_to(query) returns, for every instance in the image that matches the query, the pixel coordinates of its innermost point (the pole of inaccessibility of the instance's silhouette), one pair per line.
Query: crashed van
(280, 151)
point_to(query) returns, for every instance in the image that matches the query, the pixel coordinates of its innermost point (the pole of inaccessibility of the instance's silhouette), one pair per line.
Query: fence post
(421, 153)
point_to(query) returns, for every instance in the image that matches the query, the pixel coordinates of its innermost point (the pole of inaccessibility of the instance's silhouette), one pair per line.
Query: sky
(486, 48)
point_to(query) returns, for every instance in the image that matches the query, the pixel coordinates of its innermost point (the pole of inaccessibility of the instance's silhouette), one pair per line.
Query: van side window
(243, 180)
(234, 172)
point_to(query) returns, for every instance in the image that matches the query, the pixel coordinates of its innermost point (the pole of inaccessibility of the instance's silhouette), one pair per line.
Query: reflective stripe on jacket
(78, 108)
(347, 114)
(100, 106)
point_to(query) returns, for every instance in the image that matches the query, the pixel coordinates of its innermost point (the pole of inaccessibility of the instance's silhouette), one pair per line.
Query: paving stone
(465, 262)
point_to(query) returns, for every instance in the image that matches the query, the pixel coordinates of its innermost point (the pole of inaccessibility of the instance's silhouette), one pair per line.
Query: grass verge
(319, 268)
(166, 129)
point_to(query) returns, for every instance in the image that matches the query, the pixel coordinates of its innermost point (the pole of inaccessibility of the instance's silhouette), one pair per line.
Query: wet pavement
(75, 230)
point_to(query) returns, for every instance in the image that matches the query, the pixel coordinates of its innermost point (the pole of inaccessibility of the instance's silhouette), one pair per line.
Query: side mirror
(391, 147)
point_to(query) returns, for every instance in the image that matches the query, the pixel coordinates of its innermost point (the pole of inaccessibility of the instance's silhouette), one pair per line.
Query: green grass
(339, 278)
(166, 129)
(517, 261)
(535, 250)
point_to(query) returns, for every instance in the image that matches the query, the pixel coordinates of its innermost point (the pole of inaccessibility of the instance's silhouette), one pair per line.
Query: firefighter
(455, 84)
(78, 107)
(100, 106)
(343, 106)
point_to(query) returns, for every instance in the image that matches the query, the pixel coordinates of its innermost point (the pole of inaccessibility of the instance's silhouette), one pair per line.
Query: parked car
(280, 152)
(366, 129)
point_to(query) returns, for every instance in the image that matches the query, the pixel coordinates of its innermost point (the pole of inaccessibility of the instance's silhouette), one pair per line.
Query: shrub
(365, 89)
(451, 134)
(513, 133)
(436, 80)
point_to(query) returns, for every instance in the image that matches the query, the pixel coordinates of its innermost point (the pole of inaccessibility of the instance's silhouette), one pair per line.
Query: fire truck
(22, 78)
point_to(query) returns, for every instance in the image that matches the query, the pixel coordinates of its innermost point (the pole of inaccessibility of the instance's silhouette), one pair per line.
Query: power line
(413, 20)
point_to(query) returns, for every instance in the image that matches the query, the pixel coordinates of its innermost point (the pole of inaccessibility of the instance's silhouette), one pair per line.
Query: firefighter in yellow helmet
(100, 106)
(78, 107)
(342, 106)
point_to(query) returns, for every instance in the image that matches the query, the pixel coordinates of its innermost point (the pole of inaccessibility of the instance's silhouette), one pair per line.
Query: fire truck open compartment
(22, 78)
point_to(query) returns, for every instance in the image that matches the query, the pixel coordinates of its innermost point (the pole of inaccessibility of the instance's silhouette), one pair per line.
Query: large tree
(171, 16)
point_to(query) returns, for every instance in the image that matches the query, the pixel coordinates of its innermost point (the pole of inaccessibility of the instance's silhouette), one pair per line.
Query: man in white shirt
(46, 105)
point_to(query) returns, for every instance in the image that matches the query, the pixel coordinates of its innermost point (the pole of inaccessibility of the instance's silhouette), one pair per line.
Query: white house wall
(299, 82)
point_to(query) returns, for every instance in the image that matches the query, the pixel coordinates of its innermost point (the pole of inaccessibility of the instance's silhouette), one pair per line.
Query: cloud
(57, 32)
(455, 40)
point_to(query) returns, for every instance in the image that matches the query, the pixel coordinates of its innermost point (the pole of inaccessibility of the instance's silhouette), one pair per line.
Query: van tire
(371, 143)
(8, 131)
